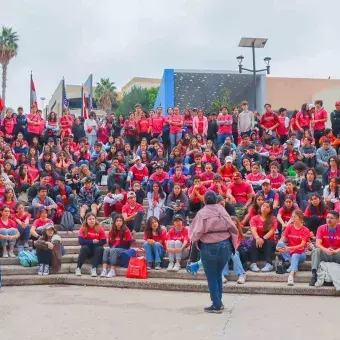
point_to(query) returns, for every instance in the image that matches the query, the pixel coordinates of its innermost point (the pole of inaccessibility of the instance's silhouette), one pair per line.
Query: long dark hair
(256, 206)
(44, 236)
(148, 227)
(322, 206)
(114, 231)
(288, 197)
(160, 189)
(269, 218)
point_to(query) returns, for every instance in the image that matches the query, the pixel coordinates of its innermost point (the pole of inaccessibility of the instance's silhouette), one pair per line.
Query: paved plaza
(70, 312)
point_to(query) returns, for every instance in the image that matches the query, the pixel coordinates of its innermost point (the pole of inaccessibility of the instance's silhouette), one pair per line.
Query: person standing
(245, 119)
(269, 121)
(176, 124)
(224, 122)
(319, 121)
(91, 128)
(335, 119)
(234, 126)
(283, 128)
(218, 236)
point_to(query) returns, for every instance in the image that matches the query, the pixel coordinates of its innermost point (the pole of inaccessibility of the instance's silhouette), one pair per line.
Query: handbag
(137, 268)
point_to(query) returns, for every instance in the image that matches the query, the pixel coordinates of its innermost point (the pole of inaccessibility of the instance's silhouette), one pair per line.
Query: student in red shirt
(315, 213)
(22, 219)
(133, 212)
(303, 120)
(92, 238)
(224, 122)
(276, 179)
(327, 244)
(9, 233)
(208, 175)
(196, 195)
(283, 128)
(143, 125)
(177, 243)
(284, 215)
(176, 124)
(263, 229)
(119, 240)
(240, 192)
(187, 121)
(8, 125)
(155, 242)
(9, 200)
(292, 245)
(157, 123)
(34, 124)
(218, 186)
(40, 223)
(226, 171)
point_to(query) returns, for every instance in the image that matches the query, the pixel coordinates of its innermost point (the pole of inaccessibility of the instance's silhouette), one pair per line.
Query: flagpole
(31, 97)
(91, 93)
(62, 95)
(82, 100)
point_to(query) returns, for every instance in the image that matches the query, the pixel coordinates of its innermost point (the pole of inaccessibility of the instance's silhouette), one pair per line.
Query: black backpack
(281, 267)
(67, 221)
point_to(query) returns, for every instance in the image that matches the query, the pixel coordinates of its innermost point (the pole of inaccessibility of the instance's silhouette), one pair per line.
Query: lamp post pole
(254, 75)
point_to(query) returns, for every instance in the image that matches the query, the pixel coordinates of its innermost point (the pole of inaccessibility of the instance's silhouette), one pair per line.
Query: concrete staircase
(257, 283)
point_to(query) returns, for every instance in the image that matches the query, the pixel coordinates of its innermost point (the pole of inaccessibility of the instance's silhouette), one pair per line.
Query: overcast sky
(127, 38)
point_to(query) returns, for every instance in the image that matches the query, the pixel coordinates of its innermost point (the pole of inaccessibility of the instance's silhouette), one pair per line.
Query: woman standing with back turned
(218, 235)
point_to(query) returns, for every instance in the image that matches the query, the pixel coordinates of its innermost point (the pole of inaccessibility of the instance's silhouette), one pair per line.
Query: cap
(50, 140)
(337, 103)
(266, 181)
(217, 177)
(71, 135)
(131, 194)
(244, 103)
(210, 197)
(229, 159)
(136, 158)
(257, 142)
(20, 107)
(49, 226)
(236, 175)
(251, 146)
(290, 142)
(275, 141)
(159, 165)
(311, 106)
(177, 217)
(88, 180)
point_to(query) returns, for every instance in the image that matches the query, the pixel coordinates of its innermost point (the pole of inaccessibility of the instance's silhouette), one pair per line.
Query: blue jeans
(237, 265)
(153, 253)
(8, 232)
(214, 257)
(92, 140)
(294, 259)
(221, 138)
(174, 138)
(25, 233)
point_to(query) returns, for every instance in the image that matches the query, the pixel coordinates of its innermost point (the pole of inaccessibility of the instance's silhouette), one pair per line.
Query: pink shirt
(222, 129)
(176, 119)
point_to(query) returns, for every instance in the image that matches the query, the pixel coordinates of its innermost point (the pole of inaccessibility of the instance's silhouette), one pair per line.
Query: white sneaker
(176, 267)
(242, 279)
(111, 273)
(170, 267)
(224, 279)
(94, 272)
(104, 273)
(78, 272)
(290, 280)
(5, 254)
(12, 255)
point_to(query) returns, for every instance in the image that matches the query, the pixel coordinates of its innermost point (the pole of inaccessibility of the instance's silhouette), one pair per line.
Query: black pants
(195, 207)
(136, 223)
(30, 136)
(99, 175)
(194, 252)
(235, 137)
(230, 209)
(90, 251)
(283, 139)
(267, 251)
(314, 222)
(317, 135)
(44, 256)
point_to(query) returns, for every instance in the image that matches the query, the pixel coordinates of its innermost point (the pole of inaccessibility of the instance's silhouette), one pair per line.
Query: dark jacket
(325, 176)
(335, 120)
(56, 191)
(305, 191)
(78, 131)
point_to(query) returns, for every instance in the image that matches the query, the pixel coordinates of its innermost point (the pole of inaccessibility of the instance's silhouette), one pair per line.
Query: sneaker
(290, 280)
(224, 279)
(111, 273)
(78, 272)
(170, 267)
(12, 255)
(176, 267)
(26, 246)
(104, 273)
(94, 272)
(149, 266)
(254, 268)
(313, 280)
(5, 254)
(192, 268)
(213, 310)
(267, 268)
(242, 279)
(46, 270)
(40, 269)
(157, 266)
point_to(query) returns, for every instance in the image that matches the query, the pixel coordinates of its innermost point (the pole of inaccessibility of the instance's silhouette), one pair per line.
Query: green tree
(222, 101)
(8, 50)
(152, 93)
(105, 93)
(137, 95)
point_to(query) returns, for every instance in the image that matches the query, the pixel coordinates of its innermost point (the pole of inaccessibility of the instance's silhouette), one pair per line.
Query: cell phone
(178, 202)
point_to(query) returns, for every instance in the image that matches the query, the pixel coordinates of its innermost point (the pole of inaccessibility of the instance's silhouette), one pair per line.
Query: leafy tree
(8, 50)
(105, 93)
(137, 95)
(222, 101)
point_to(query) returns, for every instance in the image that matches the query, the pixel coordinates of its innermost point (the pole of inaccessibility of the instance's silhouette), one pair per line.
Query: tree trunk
(4, 82)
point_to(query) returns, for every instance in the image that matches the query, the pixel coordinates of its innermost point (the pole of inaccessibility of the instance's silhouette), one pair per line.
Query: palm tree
(105, 93)
(8, 50)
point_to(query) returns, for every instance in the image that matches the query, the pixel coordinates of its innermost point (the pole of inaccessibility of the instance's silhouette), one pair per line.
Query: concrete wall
(140, 82)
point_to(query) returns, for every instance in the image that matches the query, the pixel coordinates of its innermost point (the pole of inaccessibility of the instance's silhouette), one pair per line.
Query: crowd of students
(263, 167)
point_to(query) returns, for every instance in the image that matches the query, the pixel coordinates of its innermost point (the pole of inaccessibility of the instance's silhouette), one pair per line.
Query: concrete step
(274, 288)
(67, 258)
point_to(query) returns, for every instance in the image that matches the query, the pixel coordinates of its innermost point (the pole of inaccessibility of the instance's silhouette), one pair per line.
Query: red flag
(2, 104)
(33, 94)
(85, 108)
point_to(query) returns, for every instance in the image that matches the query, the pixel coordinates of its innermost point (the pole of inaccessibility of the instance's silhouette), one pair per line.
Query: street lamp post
(253, 43)
(42, 102)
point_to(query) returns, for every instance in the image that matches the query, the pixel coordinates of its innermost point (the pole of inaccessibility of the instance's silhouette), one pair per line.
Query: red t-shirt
(255, 178)
(295, 237)
(92, 234)
(276, 182)
(303, 119)
(139, 174)
(202, 190)
(40, 223)
(321, 114)
(285, 215)
(158, 238)
(159, 178)
(222, 129)
(157, 124)
(207, 177)
(182, 236)
(329, 239)
(126, 238)
(226, 171)
(269, 119)
(128, 210)
(176, 119)
(10, 224)
(200, 124)
(23, 217)
(9, 125)
(257, 222)
(66, 121)
(308, 212)
(34, 128)
(143, 125)
(241, 191)
(282, 130)
(182, 180)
